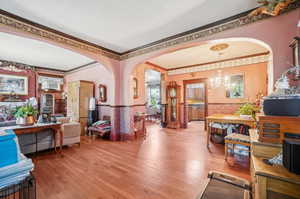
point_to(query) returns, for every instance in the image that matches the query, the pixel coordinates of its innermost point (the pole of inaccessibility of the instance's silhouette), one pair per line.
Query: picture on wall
(102, 93)
(135, 88)
(236, 87)
(13, 84)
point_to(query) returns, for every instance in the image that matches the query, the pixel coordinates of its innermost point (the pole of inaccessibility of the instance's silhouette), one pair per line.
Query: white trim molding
(221, 65)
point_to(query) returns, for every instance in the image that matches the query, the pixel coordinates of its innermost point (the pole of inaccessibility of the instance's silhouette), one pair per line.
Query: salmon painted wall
(97, 74)
(139, 73)
(255, 80)
(255, 77)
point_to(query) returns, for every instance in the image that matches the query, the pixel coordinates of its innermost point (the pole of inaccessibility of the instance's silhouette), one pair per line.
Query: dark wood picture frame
(102, 93)
(135, 88)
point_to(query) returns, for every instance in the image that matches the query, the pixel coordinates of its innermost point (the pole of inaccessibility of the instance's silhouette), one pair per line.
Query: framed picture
(102, 93)
(235, 88)
(11, 84)
(135, 88)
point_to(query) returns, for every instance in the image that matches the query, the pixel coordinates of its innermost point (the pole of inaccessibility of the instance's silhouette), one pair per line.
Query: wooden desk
(227, 119)
(36, 128)
(273, 180)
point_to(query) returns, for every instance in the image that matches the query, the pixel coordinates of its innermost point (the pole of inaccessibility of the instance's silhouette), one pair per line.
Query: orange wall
(255, 81)
(255, 76)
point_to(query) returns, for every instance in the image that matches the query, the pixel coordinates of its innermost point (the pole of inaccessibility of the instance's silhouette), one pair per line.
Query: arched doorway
(240, 58)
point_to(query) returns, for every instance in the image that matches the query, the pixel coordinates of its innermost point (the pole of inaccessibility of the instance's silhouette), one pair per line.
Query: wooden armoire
(79, 93)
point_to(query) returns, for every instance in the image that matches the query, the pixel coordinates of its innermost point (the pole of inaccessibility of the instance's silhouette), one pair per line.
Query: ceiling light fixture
(219, 47)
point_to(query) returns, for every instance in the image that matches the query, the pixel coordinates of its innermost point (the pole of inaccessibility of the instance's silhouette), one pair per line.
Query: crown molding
(220, 61)
(259, 58)
(155, 66)
(15, 66)
(21, 24)
(204, 31)
(79, 68)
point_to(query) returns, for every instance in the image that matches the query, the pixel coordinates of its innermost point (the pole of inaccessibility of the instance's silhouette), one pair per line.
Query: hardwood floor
(169, 164)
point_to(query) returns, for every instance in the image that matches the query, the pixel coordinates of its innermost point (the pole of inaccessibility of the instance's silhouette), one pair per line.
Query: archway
(130, 68)
(108, 65)
(269, 65)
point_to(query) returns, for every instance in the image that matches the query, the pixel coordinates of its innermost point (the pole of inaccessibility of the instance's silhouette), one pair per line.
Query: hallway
(168, 164)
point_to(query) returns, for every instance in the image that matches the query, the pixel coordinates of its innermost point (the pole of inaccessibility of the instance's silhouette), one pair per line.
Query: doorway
(153, 94)
(195, 100)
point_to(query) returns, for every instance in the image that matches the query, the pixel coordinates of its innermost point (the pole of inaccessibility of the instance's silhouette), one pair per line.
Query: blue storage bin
(9, 148)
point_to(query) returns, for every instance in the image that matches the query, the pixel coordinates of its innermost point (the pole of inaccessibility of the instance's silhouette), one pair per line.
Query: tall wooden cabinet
(79, 93)
(173, 108)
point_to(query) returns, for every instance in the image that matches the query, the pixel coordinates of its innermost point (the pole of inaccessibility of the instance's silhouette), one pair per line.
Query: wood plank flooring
(169, 164)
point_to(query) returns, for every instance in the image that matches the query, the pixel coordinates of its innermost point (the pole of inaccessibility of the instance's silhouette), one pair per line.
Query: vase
(30, 120)
(21, 121)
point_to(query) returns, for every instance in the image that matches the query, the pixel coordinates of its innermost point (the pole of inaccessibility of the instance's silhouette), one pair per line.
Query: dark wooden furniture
(173, 105)
(196, 112)
(227, 119)
(37, 128)
(273, 129)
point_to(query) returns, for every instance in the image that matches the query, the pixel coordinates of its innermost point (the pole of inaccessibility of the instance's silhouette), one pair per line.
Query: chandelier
(220, 81)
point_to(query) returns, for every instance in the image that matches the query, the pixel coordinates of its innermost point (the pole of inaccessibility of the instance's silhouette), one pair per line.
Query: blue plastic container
(9, 148)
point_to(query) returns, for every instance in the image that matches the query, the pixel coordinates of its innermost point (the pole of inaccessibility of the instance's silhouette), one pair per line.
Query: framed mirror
(102, 93)
(235, 87)
(135, 88)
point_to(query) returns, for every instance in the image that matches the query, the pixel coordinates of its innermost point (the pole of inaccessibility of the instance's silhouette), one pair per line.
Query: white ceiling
(37, 53)
(202, 54)
(123, 25)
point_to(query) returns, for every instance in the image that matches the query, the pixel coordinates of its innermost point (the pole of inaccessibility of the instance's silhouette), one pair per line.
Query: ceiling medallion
(219, 47)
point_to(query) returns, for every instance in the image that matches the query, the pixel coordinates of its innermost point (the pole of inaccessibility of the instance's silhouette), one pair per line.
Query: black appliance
(290, 156)
(288, 105)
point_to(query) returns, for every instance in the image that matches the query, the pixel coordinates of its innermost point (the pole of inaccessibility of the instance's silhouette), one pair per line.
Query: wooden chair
(235, 138)
(140, 126)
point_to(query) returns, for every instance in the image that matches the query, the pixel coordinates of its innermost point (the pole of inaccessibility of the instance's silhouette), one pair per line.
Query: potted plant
(247, 111)
(25, 114)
